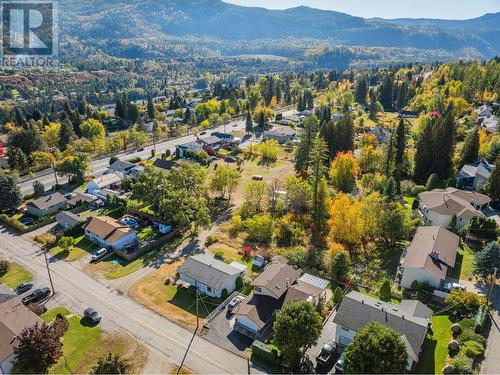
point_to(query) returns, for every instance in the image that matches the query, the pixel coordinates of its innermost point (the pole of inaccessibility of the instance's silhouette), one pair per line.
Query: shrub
(36, 308)
(60, 325)
(260, 228)
(407, 187)
(224, 294)
(472, 349)
(467, 324)
(417, 190)
(337, 295)
(236, 224)
(385, 290)
(481, 318)
(14, 223)
(265, 352)
(468, 335)
(45, 239)
(4, 267)
(211, 240)
(239, 283)
(461, 365)
(247, 251)
(219, 254)
(296, 257)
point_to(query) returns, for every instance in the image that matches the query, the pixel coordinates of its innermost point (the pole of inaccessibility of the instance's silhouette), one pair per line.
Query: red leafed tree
(39, 348)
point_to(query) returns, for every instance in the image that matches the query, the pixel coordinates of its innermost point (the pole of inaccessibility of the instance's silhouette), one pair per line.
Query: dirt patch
(152, 292)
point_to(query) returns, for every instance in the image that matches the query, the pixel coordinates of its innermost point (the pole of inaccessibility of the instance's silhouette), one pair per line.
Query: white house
(484, 111)
(209, 275)
(439, 205)
(104, 185)
(410, 320)
(109, 233)
(474, 176)
(429, 258)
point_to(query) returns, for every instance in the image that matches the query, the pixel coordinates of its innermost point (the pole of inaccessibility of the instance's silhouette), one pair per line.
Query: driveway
(76, 290)
(327, 334)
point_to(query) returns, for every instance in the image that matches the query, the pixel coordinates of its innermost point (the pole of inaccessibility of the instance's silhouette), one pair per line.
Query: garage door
(344, 341)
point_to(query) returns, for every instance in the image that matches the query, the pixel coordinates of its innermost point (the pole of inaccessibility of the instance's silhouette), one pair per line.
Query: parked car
(257, 177)
(24, 287)
(98, 255)
(203, 133)
(140, 149)
(326, 353)
(339, 365)
(37, 295)
(235, 302)
(230, 159)
(27, 220)
(448, 287)
(68, 196)
(91, 315)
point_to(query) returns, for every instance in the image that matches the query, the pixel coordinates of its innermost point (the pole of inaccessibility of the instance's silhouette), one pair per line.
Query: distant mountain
(111, 22)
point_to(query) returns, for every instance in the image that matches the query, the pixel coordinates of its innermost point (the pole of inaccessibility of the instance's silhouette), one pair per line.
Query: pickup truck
(326, 353)
(37, 295)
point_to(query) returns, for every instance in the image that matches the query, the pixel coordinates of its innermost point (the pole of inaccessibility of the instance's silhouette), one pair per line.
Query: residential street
(100, 165)
(77, 290)
(491, 364)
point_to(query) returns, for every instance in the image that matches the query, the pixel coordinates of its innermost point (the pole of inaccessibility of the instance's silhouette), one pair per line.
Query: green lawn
(77, 342)
(373, 295)
(82, 247)
(17, 275)
(147, 234)
(409, 203)
(185, 299)
(435, 348)
(464, 264)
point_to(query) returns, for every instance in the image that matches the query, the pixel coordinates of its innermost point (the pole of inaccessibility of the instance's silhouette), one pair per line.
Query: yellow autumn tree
(343, 172)
(344, 222)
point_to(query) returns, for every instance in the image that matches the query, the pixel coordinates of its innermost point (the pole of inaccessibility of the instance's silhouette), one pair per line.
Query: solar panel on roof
(314, 280)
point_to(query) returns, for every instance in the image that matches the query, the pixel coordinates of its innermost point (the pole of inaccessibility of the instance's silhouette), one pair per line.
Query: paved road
(491, 364)
(98, 166)
(78, 290)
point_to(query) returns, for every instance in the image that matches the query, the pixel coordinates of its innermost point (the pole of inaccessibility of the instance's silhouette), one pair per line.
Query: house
(281, 134)
(104, 185)
(166, 165)
(439, 205)
(226, 137)
(429, 258)
(410, 320)
(474, 176)
(484, 111)
(68, 219)
(381, 134)
(188, 149)
(83, 199)
(122, 169)
(211, 141)
(408, 114)
(109, 233)
(278, 284)
(490, 124)
(47, 205)
(14, 318)
(209, 275)
(258, 261)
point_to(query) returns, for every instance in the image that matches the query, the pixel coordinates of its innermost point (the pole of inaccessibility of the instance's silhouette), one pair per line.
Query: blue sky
(449, 9)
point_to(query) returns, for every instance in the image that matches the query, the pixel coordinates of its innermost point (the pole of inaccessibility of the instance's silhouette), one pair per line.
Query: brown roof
(276, 278)
(432, 248)
(48, 201)
(106, 228)
(14, 318)
(259, 308)
(451, 201)
(301, 291)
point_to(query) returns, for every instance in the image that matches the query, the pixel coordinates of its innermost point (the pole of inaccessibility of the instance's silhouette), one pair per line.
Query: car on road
(203, 133)
(98, 255)
(91, 315)
(68, 196)
(140, 149)
(235, 125)
(37, 295)
(230, 159)
(339, 365)
(235, 302)
(22, 288)
(448, 287)
(327, 353)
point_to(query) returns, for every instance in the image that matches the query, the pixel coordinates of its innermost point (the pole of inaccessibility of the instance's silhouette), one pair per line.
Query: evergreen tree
(262, 119)
(386, 92)
(10, 193)
(151, 109)
(400, 150)
(391, 189)
(444, 136)
(494, 181)
(389, 155)
(486, 260)
(248, 122)
(319, 154)
(187, 116)
(66, 134)
(402, 96)
(361, 90)
(133, 113)
(306, 138)
(76, 120)
(470, 152)
(424, 156)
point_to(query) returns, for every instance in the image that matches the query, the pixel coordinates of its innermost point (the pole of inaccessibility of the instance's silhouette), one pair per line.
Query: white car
(235, 302)
(454, 286)
(98, 255)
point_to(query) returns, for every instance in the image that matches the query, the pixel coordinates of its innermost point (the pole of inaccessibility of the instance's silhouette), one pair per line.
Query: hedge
(481, 319)
(264, 352)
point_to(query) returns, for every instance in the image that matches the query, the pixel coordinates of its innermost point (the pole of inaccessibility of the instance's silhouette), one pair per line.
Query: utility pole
(492, 283)
(194, 333)
(45, 249)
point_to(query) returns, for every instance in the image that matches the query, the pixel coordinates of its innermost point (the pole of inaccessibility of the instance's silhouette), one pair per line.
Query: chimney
(287, 282)
(434, 254)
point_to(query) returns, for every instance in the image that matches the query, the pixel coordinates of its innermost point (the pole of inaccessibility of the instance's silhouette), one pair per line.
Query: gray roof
(211, 140)
(6, 293)
(410, 319)
(451, 201)
(207, 270)
(121, 166)
(68, 218)
(193, 145)
(482, 169)
(281, 131)
(48, 201)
